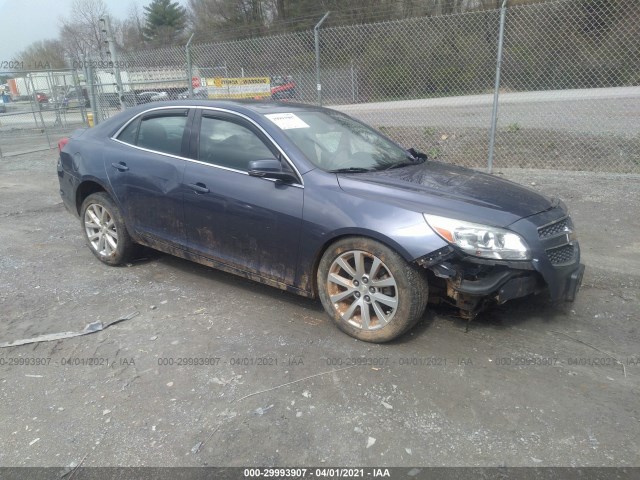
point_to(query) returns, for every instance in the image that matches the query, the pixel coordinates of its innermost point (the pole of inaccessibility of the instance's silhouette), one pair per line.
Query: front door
(248, 223)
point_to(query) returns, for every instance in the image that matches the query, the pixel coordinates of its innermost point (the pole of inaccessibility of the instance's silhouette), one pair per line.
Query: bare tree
(42, 55)
(211, 19)
(129, 32)
(80, 34)
(207, 16)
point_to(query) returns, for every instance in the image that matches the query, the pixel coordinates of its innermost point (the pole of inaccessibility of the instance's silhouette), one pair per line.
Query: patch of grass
(529, 148)
(434, 153)
(513, 127)
(429, 131)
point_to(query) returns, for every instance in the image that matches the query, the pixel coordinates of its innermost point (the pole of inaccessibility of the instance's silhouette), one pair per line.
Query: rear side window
(160, 132)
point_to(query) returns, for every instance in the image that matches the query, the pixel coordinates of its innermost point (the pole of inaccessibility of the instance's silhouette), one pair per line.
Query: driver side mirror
(270, 168)
(416, 154)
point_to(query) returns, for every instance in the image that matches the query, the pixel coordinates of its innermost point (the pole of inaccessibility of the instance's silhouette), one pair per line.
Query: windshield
(335, 142)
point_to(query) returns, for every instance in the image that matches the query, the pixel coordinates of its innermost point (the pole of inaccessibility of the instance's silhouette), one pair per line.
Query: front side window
(230, 144)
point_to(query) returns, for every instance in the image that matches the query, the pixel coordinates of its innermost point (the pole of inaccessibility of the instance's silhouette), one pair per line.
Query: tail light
(61, 143)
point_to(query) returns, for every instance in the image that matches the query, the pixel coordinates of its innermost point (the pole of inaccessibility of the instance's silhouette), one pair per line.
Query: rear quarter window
(130, 133)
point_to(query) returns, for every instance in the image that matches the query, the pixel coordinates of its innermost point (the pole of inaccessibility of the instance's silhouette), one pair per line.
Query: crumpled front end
(472, 283)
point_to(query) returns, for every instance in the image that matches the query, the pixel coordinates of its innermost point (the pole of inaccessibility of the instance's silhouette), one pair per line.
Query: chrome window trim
(125, 125)
(215, 109)
(150, 151)
(200, 162)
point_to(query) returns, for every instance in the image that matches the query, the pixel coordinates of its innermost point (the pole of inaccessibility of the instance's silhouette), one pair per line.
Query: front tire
(105, 230)
(369, 291)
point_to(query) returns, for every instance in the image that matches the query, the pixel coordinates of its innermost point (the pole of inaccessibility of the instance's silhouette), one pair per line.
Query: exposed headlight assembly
(480, 240)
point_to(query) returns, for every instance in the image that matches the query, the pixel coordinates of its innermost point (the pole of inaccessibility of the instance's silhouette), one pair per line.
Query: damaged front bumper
(471, 283)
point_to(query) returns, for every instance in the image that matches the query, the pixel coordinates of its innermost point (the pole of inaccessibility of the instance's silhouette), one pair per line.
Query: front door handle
(122, 167)
(198, 187)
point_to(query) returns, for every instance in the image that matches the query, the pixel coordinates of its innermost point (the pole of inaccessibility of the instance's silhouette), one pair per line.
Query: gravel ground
(527, 385)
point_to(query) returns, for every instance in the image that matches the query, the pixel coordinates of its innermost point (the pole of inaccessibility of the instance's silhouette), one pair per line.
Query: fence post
(189, 66)
(32, 101)
(51, 81)
(496, 89)
(316, 36)
(79, 93)
(113, 53)
(37, 105)
(92, 92)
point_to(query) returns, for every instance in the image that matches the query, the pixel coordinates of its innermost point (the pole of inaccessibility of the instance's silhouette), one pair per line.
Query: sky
(23, 22)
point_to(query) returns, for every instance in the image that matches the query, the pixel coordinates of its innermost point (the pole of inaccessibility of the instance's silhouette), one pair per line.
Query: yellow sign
(242, 87)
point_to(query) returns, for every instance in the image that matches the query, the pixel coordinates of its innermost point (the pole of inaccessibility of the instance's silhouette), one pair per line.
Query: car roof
(257, 106)
(251, 108)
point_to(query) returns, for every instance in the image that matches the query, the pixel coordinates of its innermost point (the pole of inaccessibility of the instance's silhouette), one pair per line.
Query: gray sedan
(311, 201)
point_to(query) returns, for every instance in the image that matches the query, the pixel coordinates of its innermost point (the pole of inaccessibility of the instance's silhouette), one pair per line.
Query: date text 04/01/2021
(325, 472)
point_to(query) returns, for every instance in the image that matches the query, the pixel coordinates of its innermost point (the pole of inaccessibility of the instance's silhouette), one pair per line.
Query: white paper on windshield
(286, 121)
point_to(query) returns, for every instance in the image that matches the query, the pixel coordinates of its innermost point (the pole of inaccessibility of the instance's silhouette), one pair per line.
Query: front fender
(331, 213)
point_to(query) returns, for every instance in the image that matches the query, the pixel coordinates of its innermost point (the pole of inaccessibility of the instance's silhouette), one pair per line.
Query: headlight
(480, 240)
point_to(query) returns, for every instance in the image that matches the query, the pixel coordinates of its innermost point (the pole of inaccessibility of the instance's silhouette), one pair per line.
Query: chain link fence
(568, 92)
(583, 58)
(568, 95)
(50, 105)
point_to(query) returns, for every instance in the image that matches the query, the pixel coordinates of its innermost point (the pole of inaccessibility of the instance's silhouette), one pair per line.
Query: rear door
(145, 166)
(246, 222)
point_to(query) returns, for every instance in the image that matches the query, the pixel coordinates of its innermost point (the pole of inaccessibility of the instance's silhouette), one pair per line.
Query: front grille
(562, 255)
(553, 229)
(558, 240)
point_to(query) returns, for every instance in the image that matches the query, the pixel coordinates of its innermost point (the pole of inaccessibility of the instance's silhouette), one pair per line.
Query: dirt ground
(217, 370)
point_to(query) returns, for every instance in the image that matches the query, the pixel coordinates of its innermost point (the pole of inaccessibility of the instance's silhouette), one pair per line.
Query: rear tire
(105, 230)
(369, 291)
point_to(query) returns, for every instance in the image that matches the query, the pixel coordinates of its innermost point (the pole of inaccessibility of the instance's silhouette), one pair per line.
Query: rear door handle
(198, 187)
(120, 166)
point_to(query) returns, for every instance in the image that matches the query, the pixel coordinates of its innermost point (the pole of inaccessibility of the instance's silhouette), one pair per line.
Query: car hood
(441, 189)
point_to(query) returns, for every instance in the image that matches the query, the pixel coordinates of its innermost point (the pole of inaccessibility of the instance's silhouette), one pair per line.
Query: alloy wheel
(101, 230)
(362, 290)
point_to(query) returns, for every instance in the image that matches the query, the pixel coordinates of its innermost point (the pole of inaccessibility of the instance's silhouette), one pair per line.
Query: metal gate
(39, 108)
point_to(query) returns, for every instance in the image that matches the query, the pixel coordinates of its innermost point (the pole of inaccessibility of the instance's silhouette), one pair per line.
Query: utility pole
(112, 52)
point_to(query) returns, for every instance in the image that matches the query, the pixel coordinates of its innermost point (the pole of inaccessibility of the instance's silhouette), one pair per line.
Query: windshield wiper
(404, 163)
(350, 170)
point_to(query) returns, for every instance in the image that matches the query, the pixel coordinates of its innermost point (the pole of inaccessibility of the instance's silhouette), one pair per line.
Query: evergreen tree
(165, 22)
